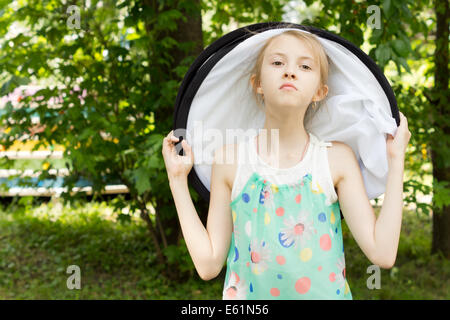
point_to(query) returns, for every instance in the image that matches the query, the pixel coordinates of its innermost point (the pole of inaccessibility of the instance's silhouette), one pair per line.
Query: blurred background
(87, 93)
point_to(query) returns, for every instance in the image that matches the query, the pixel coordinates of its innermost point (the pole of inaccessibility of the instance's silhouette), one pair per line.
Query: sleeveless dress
(287, 239)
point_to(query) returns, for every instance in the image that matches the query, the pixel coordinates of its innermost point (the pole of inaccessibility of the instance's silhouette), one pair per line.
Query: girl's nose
(289, 74)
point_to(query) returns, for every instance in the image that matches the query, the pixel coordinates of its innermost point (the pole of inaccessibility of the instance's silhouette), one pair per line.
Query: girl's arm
(208, 247)
(377, 237)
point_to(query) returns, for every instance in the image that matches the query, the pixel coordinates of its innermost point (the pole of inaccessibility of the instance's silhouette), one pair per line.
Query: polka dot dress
(286, 243)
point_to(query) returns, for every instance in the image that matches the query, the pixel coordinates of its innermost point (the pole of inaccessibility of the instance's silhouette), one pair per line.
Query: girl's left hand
(396, 146)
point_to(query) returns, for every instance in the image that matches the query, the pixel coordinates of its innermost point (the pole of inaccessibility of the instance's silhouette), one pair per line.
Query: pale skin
(378, 237)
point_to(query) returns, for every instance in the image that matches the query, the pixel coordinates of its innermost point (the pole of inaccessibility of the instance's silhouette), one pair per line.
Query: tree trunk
(187, 31)
(441, 116)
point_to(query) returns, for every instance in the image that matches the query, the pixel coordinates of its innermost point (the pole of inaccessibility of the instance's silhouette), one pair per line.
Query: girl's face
(288, 59)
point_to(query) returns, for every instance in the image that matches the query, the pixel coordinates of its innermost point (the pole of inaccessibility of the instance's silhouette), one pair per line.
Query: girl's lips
(288, 88)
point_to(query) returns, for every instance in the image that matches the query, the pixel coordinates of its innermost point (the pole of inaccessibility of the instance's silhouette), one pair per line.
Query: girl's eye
(304, 66)
(277, 63)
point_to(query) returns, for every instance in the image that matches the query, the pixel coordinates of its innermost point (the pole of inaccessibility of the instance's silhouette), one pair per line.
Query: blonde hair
(318, 52)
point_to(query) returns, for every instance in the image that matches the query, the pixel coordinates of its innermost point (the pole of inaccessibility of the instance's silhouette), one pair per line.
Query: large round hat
(215, 96)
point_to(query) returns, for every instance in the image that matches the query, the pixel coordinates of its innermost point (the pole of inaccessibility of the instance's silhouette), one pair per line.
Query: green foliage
(441, 190)
(114, 80)
(417, 274)
(108, 88)
(239, 13)
(400, 44)
(117, 260)
(179, 255)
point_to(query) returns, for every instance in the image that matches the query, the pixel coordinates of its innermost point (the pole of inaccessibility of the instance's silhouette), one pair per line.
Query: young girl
(274, 212)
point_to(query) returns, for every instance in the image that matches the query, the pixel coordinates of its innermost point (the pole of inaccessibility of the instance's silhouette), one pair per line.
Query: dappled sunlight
(56, 211)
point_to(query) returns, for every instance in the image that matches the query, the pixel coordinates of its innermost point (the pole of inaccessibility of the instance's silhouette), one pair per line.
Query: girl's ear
(321, 93)
(258, 88)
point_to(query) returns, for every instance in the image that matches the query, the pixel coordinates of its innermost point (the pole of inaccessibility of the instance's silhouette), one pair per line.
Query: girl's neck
(288, 122)
(292, 146)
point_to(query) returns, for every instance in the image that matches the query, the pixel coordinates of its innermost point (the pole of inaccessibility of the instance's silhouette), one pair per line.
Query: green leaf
(12, 84)
(441, 193)
(400, 47)
(387, 8)
(382, 54)
(142, 176)
(403, 63)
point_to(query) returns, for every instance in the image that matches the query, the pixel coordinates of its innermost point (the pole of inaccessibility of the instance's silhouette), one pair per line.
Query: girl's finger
(172, 137)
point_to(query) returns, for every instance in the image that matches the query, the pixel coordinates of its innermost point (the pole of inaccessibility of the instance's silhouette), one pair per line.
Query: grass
(116, 260)
(416, 274)
(39, 242)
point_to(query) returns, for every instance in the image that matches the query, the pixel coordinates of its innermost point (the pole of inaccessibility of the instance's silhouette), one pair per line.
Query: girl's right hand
(176, 165)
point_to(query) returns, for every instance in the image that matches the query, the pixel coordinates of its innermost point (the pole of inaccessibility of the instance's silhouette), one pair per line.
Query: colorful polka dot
(236, 254)
(332, 277)
(251, 287)
(298, 198)
(306, 254)
(280, 211)
(231, 293)
(322, 217)
(317, 189)
(319, 268)
(303, 285)
(246, 197)
(338, 291)
(332, 218)
(237, 277)
(275, 292)
(255, 210)
(279, 276)
(325, 242)
(281, 260)
(274, 188)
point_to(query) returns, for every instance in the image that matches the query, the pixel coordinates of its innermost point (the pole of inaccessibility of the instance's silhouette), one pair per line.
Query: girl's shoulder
(226, 160)
(338, 159)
